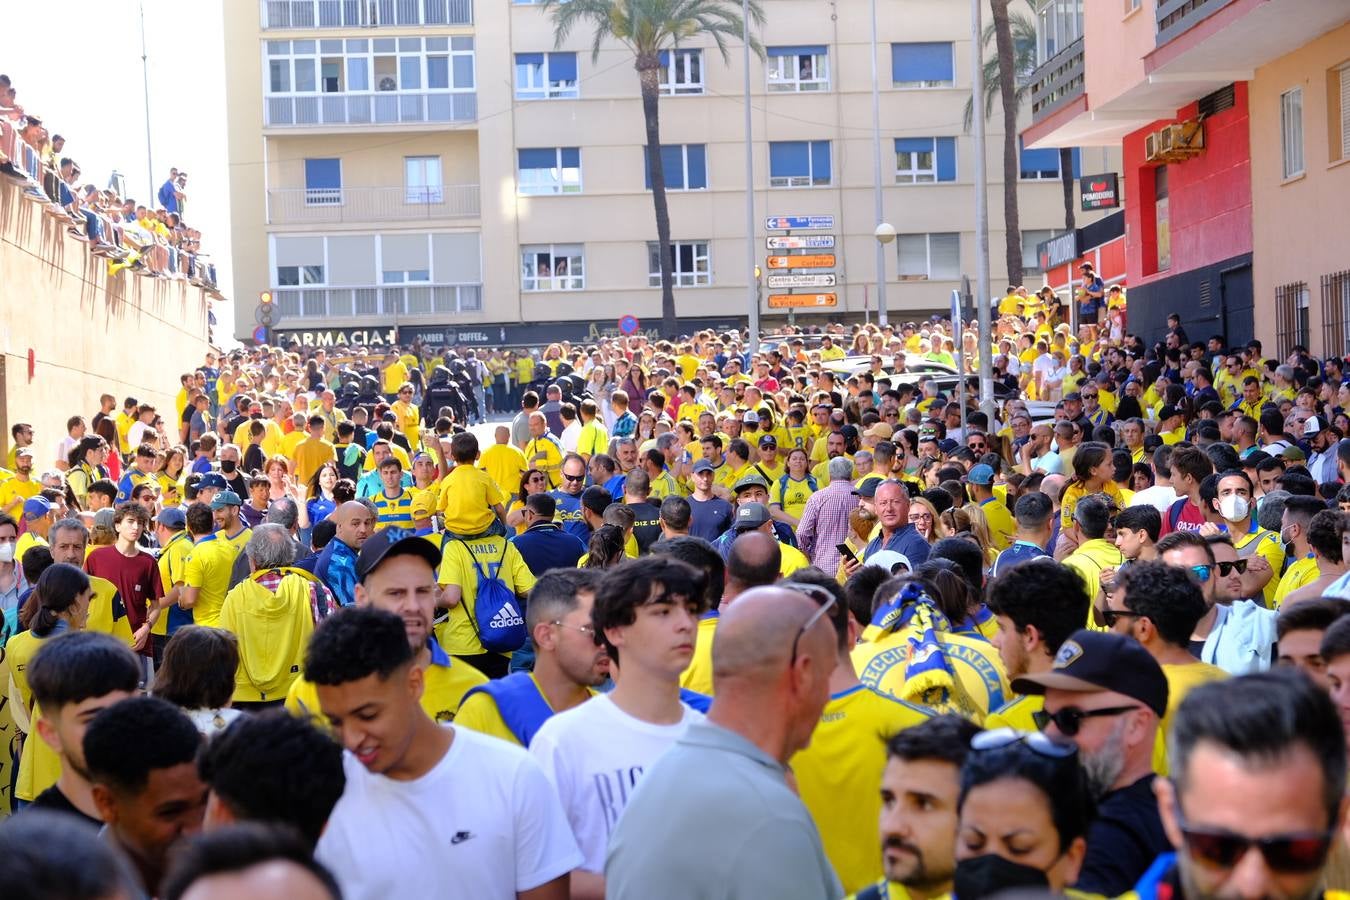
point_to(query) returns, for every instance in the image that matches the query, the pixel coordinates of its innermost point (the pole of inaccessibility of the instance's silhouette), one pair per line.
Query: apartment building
(1233, 119)
(441, 168)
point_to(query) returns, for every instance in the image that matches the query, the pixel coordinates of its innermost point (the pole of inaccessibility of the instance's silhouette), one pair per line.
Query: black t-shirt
(647, 525)
(1123, 841)
(54, 801)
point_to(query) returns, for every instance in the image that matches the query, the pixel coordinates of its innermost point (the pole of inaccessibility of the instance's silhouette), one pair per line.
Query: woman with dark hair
(321, 501)
(532, 481)
(197, 674)
(1093, 473)
(86, 461)
(605, 548)
(1023, 815)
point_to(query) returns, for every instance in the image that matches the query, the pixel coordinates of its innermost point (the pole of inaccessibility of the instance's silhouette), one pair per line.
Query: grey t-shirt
(714, 819)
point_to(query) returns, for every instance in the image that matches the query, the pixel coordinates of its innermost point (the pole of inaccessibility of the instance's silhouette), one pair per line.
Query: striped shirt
(393, 511)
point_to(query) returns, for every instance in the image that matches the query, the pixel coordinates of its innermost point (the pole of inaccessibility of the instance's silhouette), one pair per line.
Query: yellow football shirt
(208, 569)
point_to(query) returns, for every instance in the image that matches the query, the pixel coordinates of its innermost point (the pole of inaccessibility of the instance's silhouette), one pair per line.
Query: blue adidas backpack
(499, 621)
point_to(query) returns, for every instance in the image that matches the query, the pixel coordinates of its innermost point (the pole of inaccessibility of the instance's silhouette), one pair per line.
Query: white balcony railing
(382, 300)
(302, 206)
(371, 108)
(364, 13)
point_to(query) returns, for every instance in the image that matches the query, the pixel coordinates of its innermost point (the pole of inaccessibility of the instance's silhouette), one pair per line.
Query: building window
(923, 65)
(1162, 218)
(294, 276)
(422, 179)
(1043, 165)
(552, 267)
(1058, 24)
(334, 66)
(541, 76)
(1291, 317)
(681, 72)
(1031, 263)
(405, 276)
(925, 160)
(796, 69)
(1336, 313)
(323, 182)
(1291, 132)
(689, 265)
(685, 167)
(1338, 104)
(929, 257)
(799, 163)
(549, 170)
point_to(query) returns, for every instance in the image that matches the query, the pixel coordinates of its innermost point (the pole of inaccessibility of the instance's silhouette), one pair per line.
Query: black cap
(1102, 661)
(868, 486)
(394, 542)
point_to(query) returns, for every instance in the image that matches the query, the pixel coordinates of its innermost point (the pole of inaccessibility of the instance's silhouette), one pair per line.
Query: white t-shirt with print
(481, 825)
(594, 754)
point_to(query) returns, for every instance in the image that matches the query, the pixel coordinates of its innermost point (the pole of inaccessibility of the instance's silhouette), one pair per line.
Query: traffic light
(266, 309)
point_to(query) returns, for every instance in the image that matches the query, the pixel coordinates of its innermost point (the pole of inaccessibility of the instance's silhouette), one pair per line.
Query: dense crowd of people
(695, 622)
(152, 239)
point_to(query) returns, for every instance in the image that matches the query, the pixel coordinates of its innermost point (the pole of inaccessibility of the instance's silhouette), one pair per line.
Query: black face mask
(984, 876)
(228, 465)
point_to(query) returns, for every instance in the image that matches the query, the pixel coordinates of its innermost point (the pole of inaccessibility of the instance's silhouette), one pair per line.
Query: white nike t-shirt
(481, 825)
(594, 754)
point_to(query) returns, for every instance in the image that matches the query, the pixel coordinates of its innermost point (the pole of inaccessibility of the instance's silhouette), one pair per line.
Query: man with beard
(568, 664)
(1106, 694)
(919, 790)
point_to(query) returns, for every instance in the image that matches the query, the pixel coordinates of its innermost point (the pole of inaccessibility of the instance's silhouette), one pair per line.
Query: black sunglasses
(1226, 568)
(1035, 741)
(1112, 616)
(581, 477)
(1295, 852)
(1070, 719)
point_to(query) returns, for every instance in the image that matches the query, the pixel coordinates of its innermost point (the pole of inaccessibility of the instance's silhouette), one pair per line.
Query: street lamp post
(753, 269)
(884, 233)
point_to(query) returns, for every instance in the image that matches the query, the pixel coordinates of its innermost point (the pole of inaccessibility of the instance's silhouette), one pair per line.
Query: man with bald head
(754, 561)
(892, 506)
(543, 451)
(336, 566)
(772, 661)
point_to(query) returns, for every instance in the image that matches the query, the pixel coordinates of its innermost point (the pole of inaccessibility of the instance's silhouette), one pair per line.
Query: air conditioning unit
(1152, 150)
(1175, 143)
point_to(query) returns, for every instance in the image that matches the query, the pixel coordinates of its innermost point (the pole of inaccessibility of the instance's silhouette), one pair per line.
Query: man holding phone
(824, 523)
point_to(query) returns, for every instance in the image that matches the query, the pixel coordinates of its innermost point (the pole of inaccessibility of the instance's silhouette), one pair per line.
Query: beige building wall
(81, 332)
(612, 216)
(1299, 230)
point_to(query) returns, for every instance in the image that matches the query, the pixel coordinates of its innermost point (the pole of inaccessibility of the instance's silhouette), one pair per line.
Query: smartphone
(846, 552)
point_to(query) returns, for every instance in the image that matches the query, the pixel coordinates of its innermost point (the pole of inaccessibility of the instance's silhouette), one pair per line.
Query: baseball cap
(1294, 454)
(750, 416)
(947, 445)
(226, 498)
(172, 517)
(1092, 661)
(750, 515)
(36, 507)
(753, 479)
(1167, 412)
(981, 474)
(880, 430)
(212, 480)
(888, 560)
(868, 486)
(23, 451)
(1310, 427)
(393, 542)
(103, 518)
(768, 440)
(423, 506)
(1074, 395)
(703, 465)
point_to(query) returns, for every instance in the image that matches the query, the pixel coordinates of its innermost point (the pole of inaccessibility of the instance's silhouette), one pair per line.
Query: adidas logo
(506, 617)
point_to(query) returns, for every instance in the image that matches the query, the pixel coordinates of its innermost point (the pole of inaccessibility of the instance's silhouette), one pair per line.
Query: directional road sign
(791, 223)
(802, 281)
(804, 261)
(783, 301)
(800, 242)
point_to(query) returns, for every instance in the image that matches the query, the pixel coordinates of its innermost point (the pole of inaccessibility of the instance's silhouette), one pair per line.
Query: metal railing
(1291, 317)
(300, 206)
(1058, 81)
(1178, 16)
(371, 108)
(382, 300)
(364, 13)
(1336, 314)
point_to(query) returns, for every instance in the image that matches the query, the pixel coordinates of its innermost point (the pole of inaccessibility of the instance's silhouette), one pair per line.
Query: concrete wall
(69, 332)
(1299, 223)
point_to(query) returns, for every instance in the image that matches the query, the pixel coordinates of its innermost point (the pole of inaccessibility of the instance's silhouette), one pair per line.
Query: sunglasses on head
(1294, 852)
(1035, 741)
(1069, 720)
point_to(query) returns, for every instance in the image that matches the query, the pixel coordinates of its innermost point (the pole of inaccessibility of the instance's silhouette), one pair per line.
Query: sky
(85, 84)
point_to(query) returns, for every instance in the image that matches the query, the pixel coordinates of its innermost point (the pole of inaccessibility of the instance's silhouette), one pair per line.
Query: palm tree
(648, 28)
(1008, 75)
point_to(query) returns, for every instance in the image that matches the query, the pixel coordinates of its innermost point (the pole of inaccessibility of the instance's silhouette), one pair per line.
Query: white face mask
(7, 551)
(1234, 507)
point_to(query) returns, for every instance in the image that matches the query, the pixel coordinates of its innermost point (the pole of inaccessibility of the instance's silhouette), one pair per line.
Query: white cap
(888, 560)
(1311, 426)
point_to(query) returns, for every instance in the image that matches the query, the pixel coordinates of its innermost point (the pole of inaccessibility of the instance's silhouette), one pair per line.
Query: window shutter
(946, 159)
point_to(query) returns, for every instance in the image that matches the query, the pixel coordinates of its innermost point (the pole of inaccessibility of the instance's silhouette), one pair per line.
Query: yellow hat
(422, 506)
